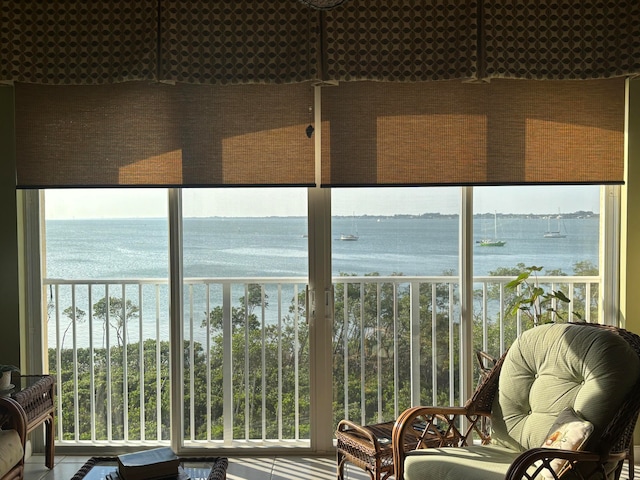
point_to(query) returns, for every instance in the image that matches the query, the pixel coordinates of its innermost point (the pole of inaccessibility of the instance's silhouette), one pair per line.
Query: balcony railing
(245, 363)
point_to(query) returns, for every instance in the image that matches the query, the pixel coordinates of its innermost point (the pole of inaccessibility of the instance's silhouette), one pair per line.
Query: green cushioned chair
(562, 403)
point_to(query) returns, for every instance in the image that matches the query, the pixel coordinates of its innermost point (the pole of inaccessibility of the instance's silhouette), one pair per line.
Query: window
(396, 325)
(246, 358)
(246, 365)
(106, 271)
(555, 228)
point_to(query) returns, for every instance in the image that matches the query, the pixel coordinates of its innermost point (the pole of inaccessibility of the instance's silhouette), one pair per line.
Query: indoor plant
(533, 300)
(5, 376)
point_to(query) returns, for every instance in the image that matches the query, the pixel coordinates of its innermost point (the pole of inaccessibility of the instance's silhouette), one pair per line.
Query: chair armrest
(12, 417)
(360, 435)
(530, 464)
(431, 427)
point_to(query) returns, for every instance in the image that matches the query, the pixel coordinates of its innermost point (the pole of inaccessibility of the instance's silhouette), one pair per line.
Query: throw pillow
(568, 432)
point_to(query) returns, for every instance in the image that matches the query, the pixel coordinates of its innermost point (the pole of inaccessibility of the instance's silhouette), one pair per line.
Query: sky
(144, 203)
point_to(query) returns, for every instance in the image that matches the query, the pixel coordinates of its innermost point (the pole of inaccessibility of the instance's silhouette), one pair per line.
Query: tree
(79, 316)
(114, 313)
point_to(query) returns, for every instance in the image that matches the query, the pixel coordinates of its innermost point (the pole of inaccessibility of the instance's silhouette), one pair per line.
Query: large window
(398, 301)
(243, 368)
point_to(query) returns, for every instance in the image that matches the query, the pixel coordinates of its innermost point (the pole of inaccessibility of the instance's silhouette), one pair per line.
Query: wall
(9, 299)
(630, 268)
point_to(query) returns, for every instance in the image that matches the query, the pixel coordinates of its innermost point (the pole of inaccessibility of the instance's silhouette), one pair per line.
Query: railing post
(227, 365)
(414, 295)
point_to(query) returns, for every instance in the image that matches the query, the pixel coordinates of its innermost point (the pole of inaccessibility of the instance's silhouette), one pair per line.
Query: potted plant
(533, 300)
(5, 376)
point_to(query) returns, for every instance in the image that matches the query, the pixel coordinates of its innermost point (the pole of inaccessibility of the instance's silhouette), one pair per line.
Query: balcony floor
(240, 468)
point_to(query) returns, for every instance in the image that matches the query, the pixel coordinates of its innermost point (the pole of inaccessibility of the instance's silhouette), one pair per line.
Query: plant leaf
(561, 296)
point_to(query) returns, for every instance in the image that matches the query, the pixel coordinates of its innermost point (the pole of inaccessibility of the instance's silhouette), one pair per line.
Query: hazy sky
(105, 203)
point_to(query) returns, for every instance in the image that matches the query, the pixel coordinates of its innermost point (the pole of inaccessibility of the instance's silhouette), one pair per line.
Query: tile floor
(263, 468)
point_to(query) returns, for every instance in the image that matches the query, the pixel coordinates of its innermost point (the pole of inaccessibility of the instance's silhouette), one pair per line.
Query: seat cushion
(11, 451)
(555, 366)
(477, 462)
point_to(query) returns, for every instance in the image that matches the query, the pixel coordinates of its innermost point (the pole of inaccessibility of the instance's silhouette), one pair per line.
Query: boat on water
(493, 242)
(348, 237)
(351, 237)
(554, 233)
(488, 242)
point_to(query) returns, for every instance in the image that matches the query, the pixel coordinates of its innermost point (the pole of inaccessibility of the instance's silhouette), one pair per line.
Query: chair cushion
(11, 451)
(552, 367)
(477, 462)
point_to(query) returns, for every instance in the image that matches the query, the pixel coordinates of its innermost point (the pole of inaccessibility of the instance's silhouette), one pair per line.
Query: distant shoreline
(581, 214)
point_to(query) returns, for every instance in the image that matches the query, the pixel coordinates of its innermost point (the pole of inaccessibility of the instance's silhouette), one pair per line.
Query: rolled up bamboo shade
(141, 134)
(453, 133)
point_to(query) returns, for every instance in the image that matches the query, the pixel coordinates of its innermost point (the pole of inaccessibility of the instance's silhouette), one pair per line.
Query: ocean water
(276, 247)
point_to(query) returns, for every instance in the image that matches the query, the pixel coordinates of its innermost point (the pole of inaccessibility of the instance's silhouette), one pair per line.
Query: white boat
(554, 233)
(350, 237)
(493, 242)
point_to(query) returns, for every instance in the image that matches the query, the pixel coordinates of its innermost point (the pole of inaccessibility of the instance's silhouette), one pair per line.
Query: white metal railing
(245, 362)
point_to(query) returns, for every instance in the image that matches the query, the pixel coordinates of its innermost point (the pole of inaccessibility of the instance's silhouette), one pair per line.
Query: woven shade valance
(402, 40)
(453, 133)
(287, 41)
(568, 39)
(140, 134)
(78, 42)
(238, 41)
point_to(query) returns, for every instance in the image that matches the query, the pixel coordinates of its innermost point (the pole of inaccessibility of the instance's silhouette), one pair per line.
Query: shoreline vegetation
(580, 214)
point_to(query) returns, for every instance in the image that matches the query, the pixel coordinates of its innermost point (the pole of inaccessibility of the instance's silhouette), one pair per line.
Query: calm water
(277, 247)
(239, 247)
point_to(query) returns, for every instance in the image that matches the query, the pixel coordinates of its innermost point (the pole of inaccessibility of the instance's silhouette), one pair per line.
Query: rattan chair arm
(404, 427)
(360, 434)
(12, 417)
(530, 464)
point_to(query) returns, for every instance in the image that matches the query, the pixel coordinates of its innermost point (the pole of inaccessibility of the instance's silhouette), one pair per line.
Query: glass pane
(553, 228)
(245, 261)
(396, 300)
(105, 280)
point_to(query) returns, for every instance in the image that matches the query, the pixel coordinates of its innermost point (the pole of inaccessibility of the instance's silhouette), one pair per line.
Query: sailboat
(554, 233)
(350, 237)
(493, 242)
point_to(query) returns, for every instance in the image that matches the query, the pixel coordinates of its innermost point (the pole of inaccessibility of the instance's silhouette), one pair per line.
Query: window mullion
(175, 317)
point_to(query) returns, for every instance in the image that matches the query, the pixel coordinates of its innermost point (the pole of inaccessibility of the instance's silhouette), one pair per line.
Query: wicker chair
(13, 434)
(369, 446)
(588, 371)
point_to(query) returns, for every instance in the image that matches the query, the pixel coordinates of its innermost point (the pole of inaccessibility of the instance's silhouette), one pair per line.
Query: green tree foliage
(377, 325)
(114, 312)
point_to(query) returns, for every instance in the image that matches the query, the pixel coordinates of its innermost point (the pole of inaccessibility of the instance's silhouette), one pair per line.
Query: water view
(277, 246)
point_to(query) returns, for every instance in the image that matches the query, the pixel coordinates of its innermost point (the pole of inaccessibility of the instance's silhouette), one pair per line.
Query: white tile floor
(240, 468)
(262, 468)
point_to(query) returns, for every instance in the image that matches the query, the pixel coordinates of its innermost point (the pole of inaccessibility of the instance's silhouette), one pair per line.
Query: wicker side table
(369, 447)
(35, 394)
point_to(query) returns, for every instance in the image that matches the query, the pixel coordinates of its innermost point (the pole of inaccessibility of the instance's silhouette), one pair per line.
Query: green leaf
(517, 281)
(561, 296)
